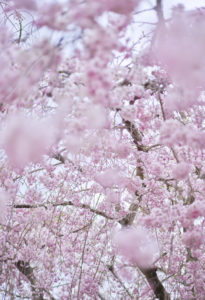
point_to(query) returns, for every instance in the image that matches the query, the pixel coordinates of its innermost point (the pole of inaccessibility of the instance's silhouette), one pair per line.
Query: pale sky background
(167, 6)
(189, 4)
(135, 31)
(141, 26)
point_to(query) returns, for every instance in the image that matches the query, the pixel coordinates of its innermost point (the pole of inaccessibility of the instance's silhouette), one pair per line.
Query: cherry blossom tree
(102, 151)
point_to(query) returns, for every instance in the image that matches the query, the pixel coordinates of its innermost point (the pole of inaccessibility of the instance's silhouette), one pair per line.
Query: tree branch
(155, 283)
(66, 203)
(37, 293)
(27, 271)
(135, 134)
(159, 11)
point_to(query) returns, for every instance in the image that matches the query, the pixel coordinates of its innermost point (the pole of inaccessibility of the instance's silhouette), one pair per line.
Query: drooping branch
(111, 269)
(150, 273)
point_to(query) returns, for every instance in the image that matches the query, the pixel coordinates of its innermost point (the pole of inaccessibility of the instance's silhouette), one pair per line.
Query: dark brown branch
(155, 283)
(59, 157)
(101, 297)
(162, 107)
(82, 228)
(27, 271)
(144, 10)
(67, 203)
(29, 206)
(135, 134)
(161, 21)
(159, 11)
(137, 137)
(25, 268)
(149, 273)
(129, 218)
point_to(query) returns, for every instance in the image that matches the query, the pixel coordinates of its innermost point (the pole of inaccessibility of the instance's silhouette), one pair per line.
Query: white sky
(136, 30)
(189, 4)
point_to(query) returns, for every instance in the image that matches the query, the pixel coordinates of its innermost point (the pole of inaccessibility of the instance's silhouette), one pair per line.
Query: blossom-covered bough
(102, 152)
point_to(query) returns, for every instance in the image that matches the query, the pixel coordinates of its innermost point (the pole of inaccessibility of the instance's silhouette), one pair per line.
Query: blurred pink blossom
(137, 246)
(196, 210)
(181, 170)
(180, 47)
(23, 4)
(121, 6)
(109, 178)
(26, 139)
(4, 197)
(193, 239)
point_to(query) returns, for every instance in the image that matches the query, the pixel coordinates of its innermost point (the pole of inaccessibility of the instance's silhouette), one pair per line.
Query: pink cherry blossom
(193, 239)
(26, 139)
(181, 171)
(4, 201)
(30, 5)
(109, 178)
(120, 6)
(173, 43)
(102, 139)
(195, 210)
(137, 246)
